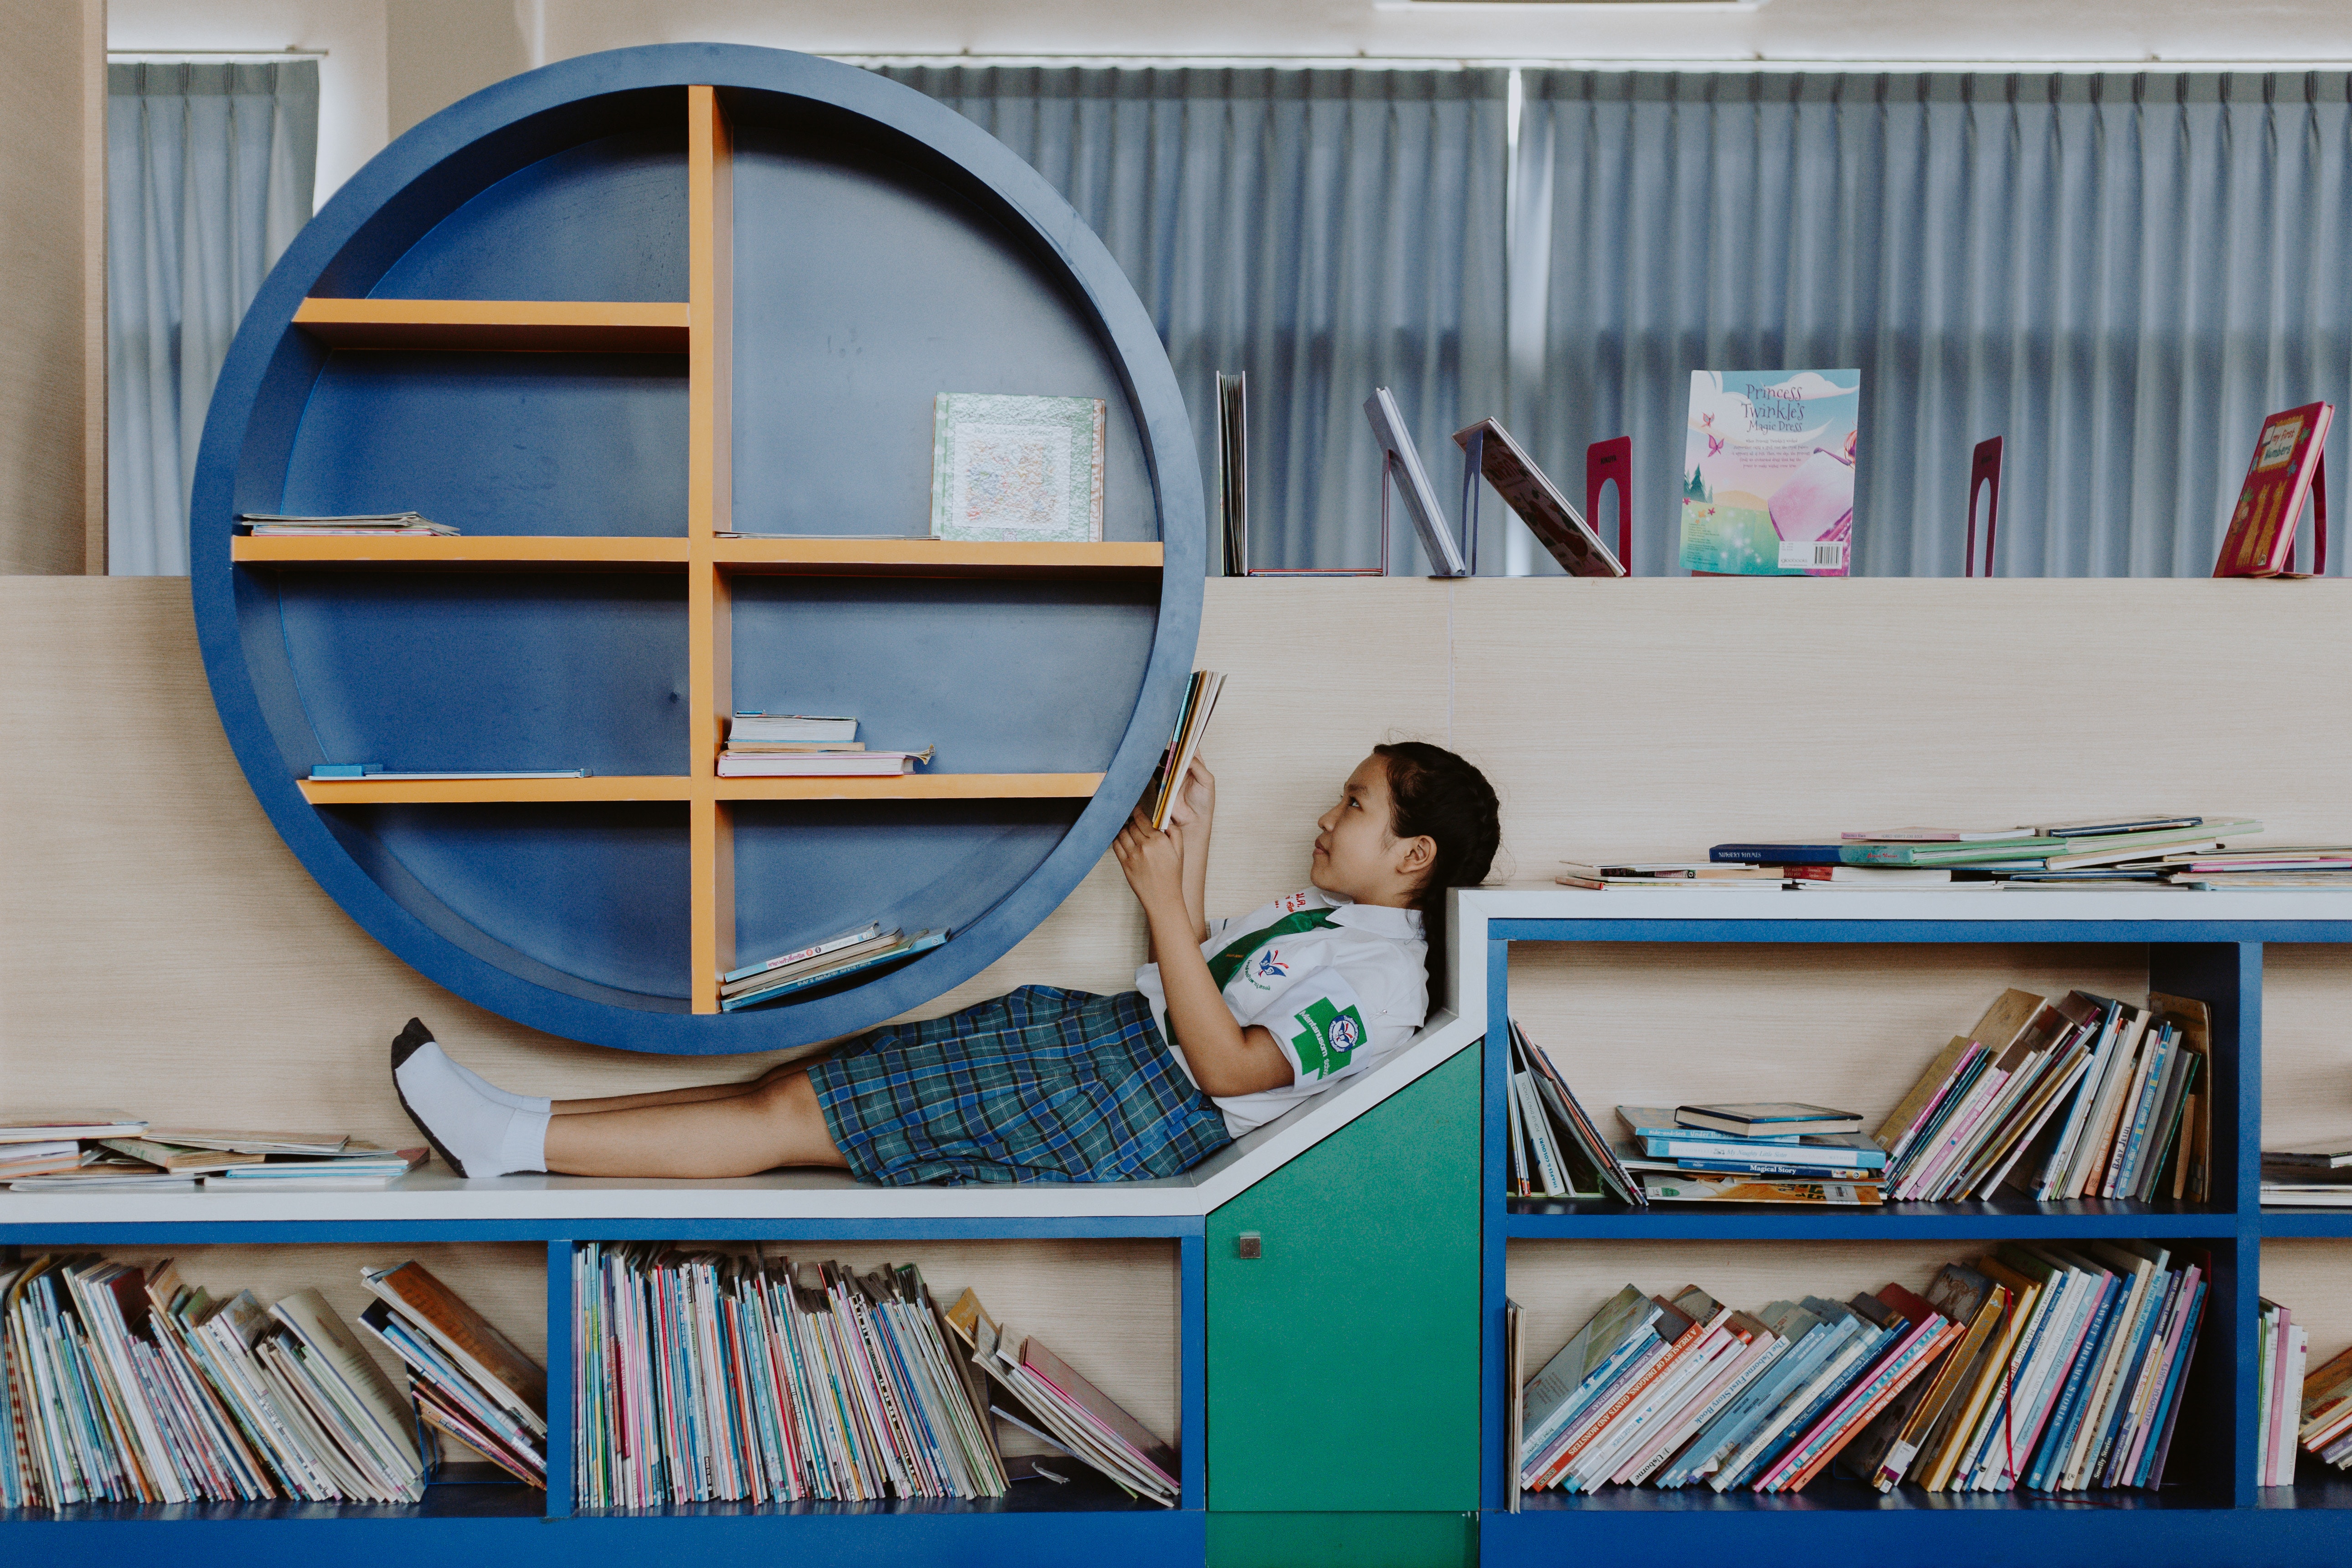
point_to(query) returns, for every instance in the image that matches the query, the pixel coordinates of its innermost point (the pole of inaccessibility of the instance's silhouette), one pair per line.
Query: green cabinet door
(1343, 1361)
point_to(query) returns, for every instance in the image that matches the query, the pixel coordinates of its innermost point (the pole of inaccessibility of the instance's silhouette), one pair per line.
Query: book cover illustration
(1768, 472)
(2260, 538)
(1019, 469)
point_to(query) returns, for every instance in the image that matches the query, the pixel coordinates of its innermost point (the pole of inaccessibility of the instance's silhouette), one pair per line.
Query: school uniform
(1048, 1085)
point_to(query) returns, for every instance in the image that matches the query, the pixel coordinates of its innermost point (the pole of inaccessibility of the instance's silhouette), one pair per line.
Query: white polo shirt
(1340, 985)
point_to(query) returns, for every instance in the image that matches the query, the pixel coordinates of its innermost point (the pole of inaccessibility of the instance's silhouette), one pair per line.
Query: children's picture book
(1020, 469)
(1768, 472)
(1558, 527)
(1400, 466)
(2261, 539)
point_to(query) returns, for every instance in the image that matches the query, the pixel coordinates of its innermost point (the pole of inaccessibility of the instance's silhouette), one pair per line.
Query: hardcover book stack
(852, 952)
(2325, 1413)
(467, 1381)
(131, 1386)
(1781, 1153)
(2050, 1368)
(2077, 1097)
(2308, 1178)
(713, 1377)
(805, 745)
(110, 1151)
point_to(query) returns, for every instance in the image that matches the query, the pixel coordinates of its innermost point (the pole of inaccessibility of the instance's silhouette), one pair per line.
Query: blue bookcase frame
(2214, 1512)
(782, 260)
(521, 1528)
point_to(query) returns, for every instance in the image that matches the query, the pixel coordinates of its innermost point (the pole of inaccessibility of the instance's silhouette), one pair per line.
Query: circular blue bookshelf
(659, 332)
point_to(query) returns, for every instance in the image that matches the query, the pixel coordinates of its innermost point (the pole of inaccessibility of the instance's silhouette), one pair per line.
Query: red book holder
(1605, 461)
(1983, 472)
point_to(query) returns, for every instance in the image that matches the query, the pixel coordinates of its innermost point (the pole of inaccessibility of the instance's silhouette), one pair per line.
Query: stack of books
(1193, 718)
(131, 1386)
(851, 952)
(1686, 875)
(712, 1377)
(265, 525)
(2083, 1097)
(2325, 1413)
(2320, 866)
(1555, 1151)
(2282, 1356)
(2050, 1368)
(1040, 1396)
(467, 1381)
(112, 1152)
(805, 745)
(1751, 1153)
(2307, 1178)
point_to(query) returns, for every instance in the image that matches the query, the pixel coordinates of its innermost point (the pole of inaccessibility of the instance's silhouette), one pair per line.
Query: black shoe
(404, 1045)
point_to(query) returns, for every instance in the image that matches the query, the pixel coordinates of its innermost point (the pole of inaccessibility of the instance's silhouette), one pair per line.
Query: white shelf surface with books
(1617, 987)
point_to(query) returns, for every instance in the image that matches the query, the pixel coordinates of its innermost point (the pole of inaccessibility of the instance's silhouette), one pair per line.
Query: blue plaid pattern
(1043, 1085)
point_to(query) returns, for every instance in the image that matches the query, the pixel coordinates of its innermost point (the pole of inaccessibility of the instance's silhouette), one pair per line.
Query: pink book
(1964, 1124)
(1104, 1412)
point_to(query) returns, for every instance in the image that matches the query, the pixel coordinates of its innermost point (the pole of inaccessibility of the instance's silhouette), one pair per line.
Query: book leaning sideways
(1192, 723)
(1768, 472)
(2288, 456)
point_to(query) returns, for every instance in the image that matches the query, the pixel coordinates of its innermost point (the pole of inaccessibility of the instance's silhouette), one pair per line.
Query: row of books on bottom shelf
(2049, 1368)
(2049, 1098)
(131, 1386)
(724, 1376)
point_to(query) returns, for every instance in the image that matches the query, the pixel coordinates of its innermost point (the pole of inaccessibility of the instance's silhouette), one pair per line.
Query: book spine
(1767, 1168)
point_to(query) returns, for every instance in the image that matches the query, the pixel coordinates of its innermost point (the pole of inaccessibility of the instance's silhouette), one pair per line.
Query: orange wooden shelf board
(546, 326)
(916, 786)
(933, 558)
(461, 791)
(479, 552)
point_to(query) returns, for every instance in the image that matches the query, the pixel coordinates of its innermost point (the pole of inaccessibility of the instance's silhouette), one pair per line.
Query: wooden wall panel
(158, 943)
(2307, 1047)
(2313, 1280)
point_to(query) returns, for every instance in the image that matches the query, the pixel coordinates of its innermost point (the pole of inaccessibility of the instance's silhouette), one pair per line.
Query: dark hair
(1436, 794)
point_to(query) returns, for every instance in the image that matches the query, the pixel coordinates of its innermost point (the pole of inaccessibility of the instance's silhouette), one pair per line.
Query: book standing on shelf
(2289, 457)
(1769, 472)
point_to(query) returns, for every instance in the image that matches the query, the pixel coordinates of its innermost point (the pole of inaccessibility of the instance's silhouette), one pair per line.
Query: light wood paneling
(2307, 1048)
(1563, 1283)
(884, 557)
(52, 316)
(449, 791)
(556, 326)
(2313, 1280)
(1651, 717)
(155, 932)
(487, 552)
(1651, 1023)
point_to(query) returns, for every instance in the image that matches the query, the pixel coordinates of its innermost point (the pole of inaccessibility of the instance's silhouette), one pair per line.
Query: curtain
(1324, 231)
(2119, 274)
(208, 176)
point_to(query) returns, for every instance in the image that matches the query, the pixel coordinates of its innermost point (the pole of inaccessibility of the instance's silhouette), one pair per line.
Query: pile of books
(466, 1381)
(89, 1151)
(1193, 718)
(1780, 1153)
(2135, 850)
(133, 1386)
(2079, 1096)
(2307, 1178)
(2324, 1414)
(851, 952)
(265, 525)
(1555, 1151)
(2050, 1368)
(2308, 865)
(805, 745)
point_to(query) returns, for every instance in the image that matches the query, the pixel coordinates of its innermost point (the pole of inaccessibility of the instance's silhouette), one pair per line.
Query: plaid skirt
(1043, 1085)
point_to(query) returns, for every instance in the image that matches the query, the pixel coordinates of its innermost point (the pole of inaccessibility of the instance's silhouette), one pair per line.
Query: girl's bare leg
(693, 1094)
(749, 1128)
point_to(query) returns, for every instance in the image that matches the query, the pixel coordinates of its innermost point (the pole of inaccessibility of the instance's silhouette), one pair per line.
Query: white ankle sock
(506, 1097)
(480, 1136)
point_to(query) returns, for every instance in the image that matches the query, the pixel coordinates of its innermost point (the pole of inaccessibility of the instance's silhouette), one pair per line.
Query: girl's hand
(1153, 862)
(1196, 802)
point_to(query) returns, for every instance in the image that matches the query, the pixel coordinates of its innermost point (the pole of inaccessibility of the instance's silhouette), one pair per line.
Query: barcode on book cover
(1812, 555)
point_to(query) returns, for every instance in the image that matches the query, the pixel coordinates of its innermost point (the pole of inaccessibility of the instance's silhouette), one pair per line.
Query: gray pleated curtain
(2117, 274)
(208, 176)
(1324, 231)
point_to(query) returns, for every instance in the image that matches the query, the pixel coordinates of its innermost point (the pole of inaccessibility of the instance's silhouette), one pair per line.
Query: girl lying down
(1235, 1022)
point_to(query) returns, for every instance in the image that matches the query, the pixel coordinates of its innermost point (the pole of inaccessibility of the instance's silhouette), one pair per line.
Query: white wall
(392, 62)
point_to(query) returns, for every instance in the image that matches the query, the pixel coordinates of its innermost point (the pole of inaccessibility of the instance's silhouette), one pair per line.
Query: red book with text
(2260, 538)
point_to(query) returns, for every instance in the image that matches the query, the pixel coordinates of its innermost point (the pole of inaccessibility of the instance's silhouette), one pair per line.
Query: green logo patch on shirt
(1329, 1036)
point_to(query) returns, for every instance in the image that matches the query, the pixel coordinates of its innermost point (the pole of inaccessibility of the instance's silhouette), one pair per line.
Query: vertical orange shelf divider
(709, 510)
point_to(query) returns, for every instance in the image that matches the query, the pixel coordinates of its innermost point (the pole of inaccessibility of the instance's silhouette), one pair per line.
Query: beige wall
(52, 310)
(158, 943)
